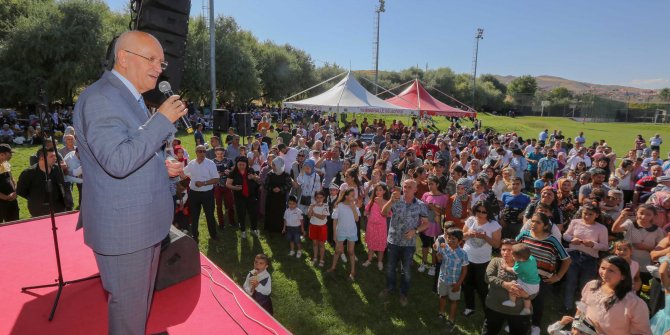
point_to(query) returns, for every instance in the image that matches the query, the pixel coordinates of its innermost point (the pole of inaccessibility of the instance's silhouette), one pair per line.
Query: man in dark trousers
(128, 208)
(203, 175)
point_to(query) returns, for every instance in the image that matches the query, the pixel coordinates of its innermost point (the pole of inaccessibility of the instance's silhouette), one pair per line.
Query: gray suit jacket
(127, 204)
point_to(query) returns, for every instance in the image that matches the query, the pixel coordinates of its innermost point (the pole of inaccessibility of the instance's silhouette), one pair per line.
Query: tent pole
(418, 97)
(339, 100)
(397, 96)
(315, 86)
(393, 88)
(366, 79)
(452, 98)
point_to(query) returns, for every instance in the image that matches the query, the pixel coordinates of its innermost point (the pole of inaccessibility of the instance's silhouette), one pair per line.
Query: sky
(611, 42)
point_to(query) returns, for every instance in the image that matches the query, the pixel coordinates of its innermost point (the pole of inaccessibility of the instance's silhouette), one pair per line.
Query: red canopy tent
(416, 97)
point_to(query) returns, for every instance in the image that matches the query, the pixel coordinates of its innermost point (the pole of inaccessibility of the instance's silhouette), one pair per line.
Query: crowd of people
(504, 219)
(558, 211)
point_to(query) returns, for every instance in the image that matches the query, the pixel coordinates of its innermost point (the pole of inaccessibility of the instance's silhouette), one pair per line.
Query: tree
(12, 10)
(195, 84)
(463, 88)
(559, 94)
(526, 85)
(324, 73)
(494, 81)
(442, 79)
(489, 97)
(522, 91)
(237, 78)
(283, 70)
(664, 94)
(411, 74)
(62, 43)
(76, 61)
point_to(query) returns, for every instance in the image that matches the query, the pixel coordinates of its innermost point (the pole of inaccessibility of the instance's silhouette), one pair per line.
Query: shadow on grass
(308, 300)
(301, 271)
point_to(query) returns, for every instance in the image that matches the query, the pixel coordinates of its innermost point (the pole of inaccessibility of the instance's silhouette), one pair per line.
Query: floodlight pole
(479, 36)
(212, 55)
(380, 9)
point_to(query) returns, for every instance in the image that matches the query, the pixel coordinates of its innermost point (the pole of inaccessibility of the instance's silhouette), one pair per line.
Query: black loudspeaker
(243, 124)
(180, 259)
(221, 119)
(343, 117)
(167, 20)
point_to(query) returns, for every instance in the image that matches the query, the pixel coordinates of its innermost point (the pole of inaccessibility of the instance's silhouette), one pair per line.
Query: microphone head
(164, 87)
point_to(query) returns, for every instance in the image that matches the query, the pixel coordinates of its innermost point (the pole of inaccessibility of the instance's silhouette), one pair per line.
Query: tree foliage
(284, 70)
(64, 42)
(526, 85)
(664, 94)
(237, 80)
(195, 84)
(13, 10)
(495, 82)
(58, 45)
(559, 94)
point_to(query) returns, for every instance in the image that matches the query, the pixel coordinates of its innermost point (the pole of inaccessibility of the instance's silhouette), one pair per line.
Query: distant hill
(616, 92)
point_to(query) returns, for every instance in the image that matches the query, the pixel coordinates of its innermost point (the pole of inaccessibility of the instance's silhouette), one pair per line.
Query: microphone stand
(59, 282)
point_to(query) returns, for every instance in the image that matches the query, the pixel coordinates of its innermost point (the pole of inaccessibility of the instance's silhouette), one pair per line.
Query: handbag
(307, 200)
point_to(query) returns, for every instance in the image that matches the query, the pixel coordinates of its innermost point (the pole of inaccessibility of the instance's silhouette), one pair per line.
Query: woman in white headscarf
(277, 185)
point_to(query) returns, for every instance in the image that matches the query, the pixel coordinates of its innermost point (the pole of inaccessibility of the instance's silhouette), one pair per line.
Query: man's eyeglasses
(163, 64)
(481, 211)
(201, 151)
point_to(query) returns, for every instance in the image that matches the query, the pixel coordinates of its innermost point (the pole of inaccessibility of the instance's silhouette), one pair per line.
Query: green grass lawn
(308, 300)
(620, 136)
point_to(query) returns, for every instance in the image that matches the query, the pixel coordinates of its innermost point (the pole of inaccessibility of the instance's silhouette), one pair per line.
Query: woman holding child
(501, 285)
(552, 260)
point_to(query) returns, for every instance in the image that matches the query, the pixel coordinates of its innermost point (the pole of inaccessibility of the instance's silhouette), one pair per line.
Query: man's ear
(121, 59)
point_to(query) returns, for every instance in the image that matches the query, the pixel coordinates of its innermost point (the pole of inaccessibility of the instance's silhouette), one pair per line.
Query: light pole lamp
(479, 36)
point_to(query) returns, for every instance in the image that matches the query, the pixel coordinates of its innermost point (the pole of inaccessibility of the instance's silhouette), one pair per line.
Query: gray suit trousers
(129, 279)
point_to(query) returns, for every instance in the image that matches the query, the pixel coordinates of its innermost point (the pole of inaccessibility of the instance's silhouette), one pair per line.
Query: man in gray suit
(128, 208)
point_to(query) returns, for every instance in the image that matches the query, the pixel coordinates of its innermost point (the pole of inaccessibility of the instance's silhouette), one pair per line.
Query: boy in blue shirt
(453, 268)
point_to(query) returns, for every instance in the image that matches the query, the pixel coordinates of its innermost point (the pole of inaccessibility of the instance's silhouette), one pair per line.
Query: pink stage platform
(189, 307)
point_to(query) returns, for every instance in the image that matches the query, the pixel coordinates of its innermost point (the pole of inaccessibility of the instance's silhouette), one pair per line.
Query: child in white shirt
(258, 283)
(318, 231)
(293, 227)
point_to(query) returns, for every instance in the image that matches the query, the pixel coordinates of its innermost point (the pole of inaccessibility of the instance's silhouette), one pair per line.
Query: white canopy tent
(348, 96)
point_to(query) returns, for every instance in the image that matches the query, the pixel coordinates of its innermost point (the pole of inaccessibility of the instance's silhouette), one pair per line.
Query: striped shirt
(547, 252)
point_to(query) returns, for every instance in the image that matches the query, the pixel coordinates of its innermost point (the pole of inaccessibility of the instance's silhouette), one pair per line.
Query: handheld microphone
(166, 89)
